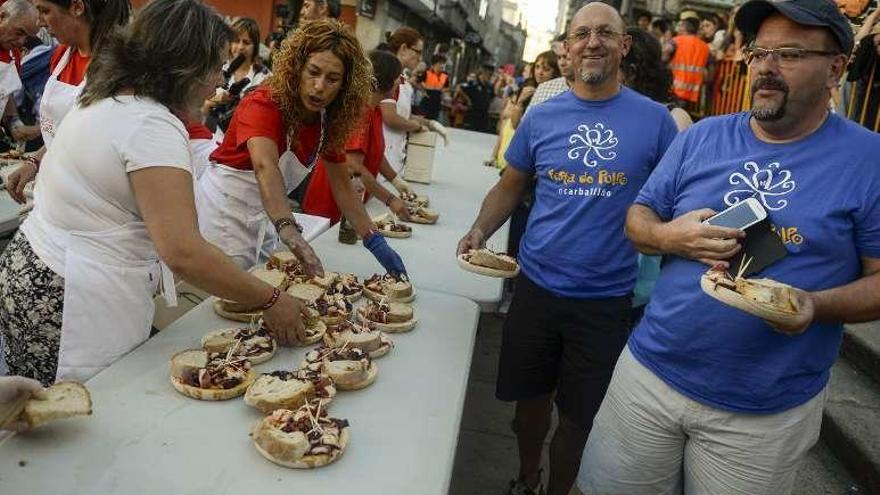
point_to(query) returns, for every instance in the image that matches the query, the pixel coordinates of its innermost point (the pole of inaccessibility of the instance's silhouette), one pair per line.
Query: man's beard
(772, 113)
(594, 76)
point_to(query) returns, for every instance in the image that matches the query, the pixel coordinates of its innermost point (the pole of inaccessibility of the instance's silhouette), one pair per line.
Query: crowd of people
(166, 145)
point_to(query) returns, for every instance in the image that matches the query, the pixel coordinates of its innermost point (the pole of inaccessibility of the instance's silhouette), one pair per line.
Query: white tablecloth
(145, 438)
(460, 184)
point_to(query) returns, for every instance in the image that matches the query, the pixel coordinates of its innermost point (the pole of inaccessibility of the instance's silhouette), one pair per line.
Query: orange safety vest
(688, 66)
(435, 80)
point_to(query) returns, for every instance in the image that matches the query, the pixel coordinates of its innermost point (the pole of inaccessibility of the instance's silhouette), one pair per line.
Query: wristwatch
(284, 222)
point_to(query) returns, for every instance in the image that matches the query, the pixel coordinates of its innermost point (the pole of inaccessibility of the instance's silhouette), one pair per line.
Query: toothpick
(744, 267)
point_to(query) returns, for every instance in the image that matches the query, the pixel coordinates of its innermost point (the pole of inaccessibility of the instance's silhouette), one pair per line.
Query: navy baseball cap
(820, 13)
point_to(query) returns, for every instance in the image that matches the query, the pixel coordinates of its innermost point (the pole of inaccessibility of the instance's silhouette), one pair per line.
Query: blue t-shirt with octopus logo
(822, 195)
(590, 158)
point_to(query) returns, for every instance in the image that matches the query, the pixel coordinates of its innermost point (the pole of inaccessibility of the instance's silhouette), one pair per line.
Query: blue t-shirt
(822, 195)
(590, 159)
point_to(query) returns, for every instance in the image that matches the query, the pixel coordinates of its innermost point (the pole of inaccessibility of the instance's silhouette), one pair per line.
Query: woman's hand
(401, 185)
(20, 178)
(23, 133)
(291, 237)
(399, 208)
(284, 320)
(387, 257)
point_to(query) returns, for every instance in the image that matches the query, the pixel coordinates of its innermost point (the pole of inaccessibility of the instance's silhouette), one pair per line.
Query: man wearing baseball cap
(708, 399)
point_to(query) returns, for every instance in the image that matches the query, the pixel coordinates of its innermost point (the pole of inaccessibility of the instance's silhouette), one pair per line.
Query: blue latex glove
(387, 256)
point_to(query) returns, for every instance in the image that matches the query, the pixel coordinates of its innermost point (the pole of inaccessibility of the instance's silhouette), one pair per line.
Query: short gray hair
(18, 8)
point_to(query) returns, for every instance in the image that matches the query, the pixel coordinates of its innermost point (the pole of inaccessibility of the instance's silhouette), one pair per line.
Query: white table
(145, 438)
(312, 225)
(457, 191)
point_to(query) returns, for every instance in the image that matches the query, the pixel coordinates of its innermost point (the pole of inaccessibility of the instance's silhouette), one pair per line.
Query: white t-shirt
(201, 150)
(395, 141)
(83, 183)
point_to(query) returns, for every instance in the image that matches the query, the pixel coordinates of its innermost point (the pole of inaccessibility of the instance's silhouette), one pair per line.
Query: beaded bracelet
(276, 293)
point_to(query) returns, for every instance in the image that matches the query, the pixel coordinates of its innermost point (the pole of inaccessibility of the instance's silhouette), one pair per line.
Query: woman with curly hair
(114, 219)
(307, 108)
(365, 150)
(644, 71)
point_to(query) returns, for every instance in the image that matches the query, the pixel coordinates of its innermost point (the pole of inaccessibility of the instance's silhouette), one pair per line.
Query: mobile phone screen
(737, 217)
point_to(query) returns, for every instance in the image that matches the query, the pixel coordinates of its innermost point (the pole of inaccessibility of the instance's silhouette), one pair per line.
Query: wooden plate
(484, 270)
(738, 301)
(242, 317)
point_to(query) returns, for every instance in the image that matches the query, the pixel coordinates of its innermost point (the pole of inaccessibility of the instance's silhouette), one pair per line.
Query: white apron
(231, 211)
(9, 82)
(58, 98)
(110, 279)
(395, 141)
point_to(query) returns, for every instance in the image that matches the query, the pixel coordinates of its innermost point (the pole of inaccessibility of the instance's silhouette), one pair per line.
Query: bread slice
(62, 400)
(278, 446)
(188, 361)
(326, 281)
(767, 299)
(294, 449)
(491, 259)
(269, 393)
(306, 292)
(389, 288)
(415, 200)
(317, 330)
(282, 260)
(310, 461)
(423, 215)
(386, 226)
(221, 308)
(191, 361)
(400, 312)
(386, 312)
(367, 341)
(351, 375)
(398, 317)
(349, 286)
(226, 339)
(350, 368)
(214, 394)
(275, 278)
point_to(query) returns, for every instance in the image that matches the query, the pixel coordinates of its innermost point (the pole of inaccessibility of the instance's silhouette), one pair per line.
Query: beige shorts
(649, 439)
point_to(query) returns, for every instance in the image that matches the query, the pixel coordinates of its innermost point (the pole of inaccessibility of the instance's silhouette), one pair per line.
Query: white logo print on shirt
(593, 140)
(767, 184)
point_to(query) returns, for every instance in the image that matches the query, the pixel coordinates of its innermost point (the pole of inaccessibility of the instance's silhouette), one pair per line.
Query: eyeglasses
(583, 34)
(786, 56)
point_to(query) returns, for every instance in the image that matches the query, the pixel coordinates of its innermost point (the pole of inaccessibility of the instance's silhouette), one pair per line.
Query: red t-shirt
(258, 116)
(371, 142)
(75, 71)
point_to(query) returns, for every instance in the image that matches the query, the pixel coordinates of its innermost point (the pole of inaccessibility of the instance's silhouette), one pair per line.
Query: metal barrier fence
(730, 93)
(864, 102)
